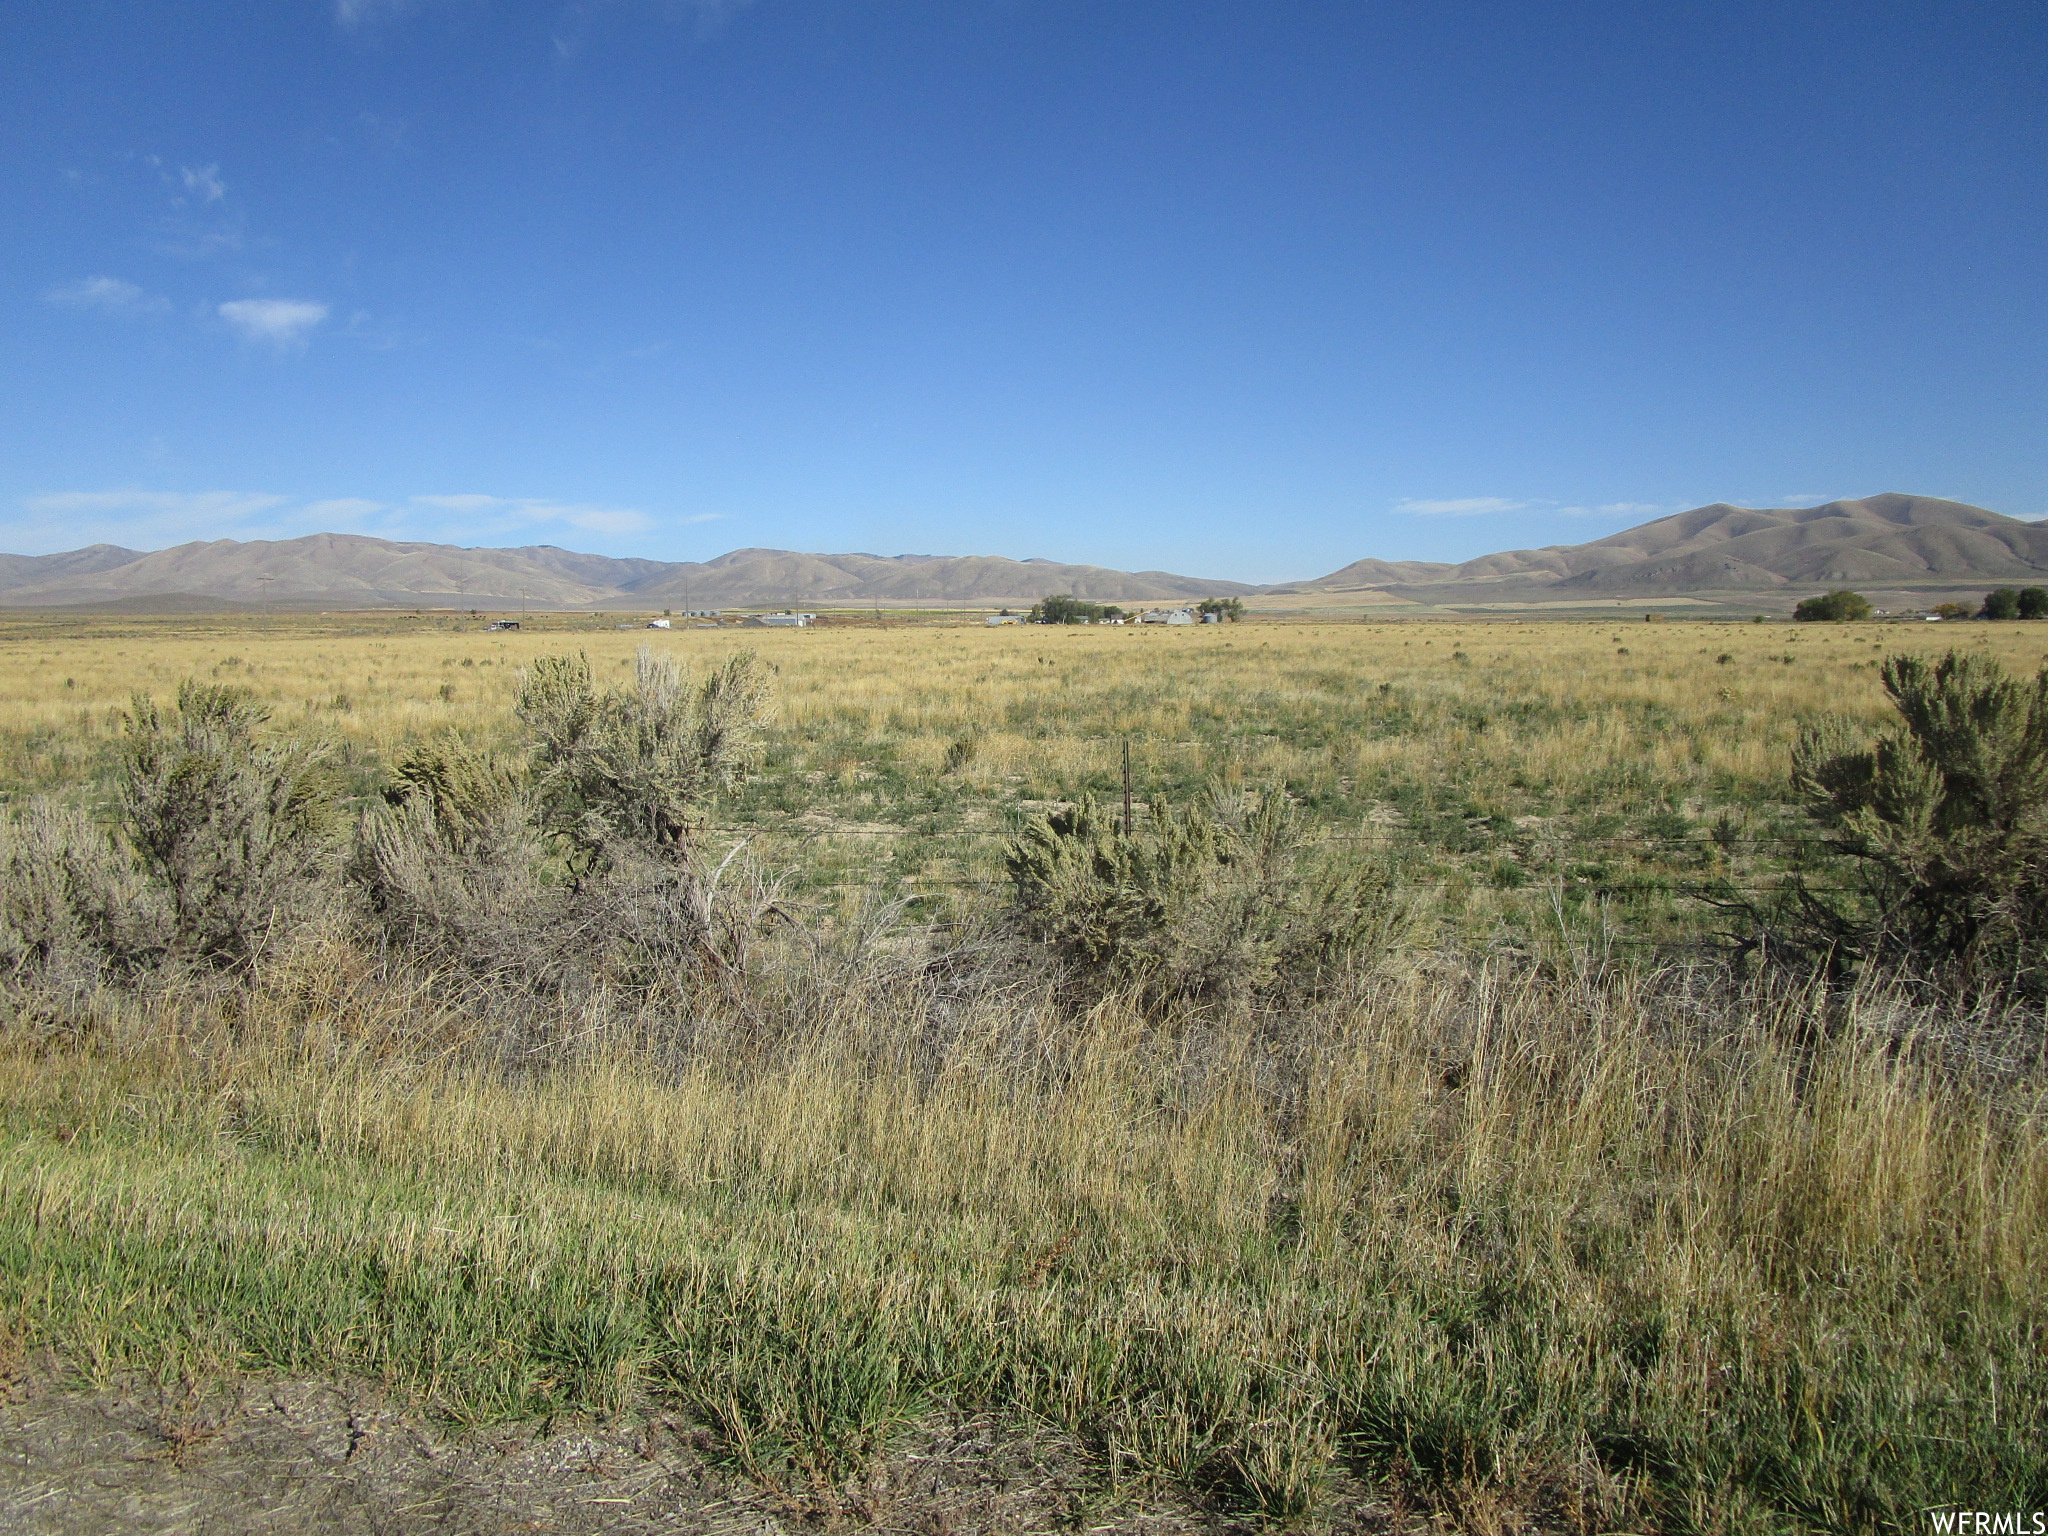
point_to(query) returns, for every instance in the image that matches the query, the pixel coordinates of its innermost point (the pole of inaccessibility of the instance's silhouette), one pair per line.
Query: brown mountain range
(1893, 542)
(351, 570)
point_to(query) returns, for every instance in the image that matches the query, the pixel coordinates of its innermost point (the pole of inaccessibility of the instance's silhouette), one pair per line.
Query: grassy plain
(1525, 1225)
(1509, 766)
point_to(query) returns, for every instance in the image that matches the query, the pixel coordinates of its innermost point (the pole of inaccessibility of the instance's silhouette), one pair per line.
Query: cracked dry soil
(337, 1459)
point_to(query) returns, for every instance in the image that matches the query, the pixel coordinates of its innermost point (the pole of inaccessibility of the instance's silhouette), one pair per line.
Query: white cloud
(602, 519)
(1463, 507)
(145, 519)
(572, 22)
(1639, 511)
(461, 503)
(504, 513)
(354, 13)
(109, 295)
(214, 503)
(1803, 499)
(281, 323)
(204, 182)
(340, 510)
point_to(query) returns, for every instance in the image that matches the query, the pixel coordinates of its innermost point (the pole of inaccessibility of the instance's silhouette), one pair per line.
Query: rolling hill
(1892, 542)
(355, 571)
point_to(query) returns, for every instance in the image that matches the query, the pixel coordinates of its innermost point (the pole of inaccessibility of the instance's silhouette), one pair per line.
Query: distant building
(1167, 616)
(784, 620)
(503, 624)
(659, 624)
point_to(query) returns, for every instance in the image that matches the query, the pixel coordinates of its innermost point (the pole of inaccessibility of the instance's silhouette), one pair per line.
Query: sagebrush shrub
(72, 906)
(1221, 902)
(1945, 823)
(582, 868)
(634, 767)
(233, 827)
(451, 864)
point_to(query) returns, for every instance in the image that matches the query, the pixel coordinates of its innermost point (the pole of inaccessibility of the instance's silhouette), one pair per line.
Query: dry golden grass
(1505, 757)
(1533, 1239)
(1592, 1252)
(378, 680)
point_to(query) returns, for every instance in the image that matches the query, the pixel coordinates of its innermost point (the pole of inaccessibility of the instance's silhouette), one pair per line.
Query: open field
(1496, 760)
(1537, 1220)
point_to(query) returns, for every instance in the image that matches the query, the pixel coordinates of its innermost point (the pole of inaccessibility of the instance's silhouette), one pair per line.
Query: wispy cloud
(340, 512)
(474, 503)
(198, 221)
(1466, 506)
(108, 295)
(356, 13)
(1804, 499)
(147, 519)
(281, 323)
(1641, 511)
(572, 22)
(203, 182)
(1473, 506)
(507, 513)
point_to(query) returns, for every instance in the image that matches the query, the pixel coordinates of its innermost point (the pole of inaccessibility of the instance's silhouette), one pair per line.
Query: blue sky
(1242, 288)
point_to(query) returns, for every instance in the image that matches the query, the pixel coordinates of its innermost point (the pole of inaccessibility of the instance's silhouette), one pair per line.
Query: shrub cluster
(580, 867)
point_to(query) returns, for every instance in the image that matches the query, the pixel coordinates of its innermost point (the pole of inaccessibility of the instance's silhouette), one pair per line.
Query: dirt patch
(313, 1458)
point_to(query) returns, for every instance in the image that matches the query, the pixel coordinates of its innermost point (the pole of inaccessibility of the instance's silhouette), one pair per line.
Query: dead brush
(186, 1418)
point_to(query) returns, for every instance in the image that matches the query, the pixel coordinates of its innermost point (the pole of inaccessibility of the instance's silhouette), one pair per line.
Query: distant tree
(2034, 602)
(2001, 603)
(1952, 610)
(1065, 608)
(1231, 608)
(1834, 608)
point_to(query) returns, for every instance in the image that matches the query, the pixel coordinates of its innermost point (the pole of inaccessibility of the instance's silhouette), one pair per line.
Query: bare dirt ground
(335, 1459)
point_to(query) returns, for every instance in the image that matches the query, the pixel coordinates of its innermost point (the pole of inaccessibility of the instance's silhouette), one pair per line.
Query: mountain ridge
(1893, 541)
(343, 570)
